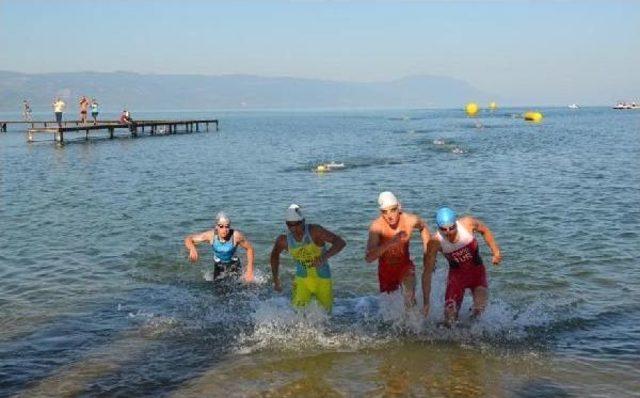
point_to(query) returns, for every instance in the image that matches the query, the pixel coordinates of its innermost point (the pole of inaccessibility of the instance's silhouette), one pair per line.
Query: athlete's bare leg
(409, 290)
(480, 298)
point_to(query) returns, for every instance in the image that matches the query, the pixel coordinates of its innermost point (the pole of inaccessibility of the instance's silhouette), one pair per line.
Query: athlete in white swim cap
(307, 245)
(224, 242)
(389, 236)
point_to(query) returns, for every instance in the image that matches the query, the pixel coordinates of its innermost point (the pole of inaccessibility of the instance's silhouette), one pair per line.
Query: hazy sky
(546, 51)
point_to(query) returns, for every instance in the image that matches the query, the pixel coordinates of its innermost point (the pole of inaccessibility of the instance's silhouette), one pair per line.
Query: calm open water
(97, 296)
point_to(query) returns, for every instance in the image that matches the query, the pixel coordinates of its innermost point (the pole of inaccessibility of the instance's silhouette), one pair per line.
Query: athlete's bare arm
(374, 248)
(245, 244)
(475, 225)
(429, 259)
(423, 228)
(192, 240)
(278, 247)
(320, 236)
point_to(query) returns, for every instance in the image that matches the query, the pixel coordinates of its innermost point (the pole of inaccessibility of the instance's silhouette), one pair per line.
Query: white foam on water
(277, 325)
(375, 320)
(152, 325)
(260, 277)
(207, 275)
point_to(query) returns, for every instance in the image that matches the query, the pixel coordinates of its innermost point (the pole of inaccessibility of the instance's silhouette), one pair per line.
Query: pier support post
(30, 136)
(111, 132)
(216, 125)
(59, 136)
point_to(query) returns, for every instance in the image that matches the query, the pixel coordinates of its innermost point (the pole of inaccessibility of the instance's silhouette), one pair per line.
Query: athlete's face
(296, 227)
(224, 228)
(449, 232)
(391, 215)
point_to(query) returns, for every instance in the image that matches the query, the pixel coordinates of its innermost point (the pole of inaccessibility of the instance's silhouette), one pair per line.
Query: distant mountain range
(175, 92)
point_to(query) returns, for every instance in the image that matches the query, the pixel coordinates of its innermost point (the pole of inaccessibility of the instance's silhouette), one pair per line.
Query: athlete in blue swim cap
(456, 241)
(445, 217)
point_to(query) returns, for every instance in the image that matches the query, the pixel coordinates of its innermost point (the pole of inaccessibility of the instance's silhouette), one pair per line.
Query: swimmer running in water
(306, 243)
(455, 239)
(224, 242)
(389, 236)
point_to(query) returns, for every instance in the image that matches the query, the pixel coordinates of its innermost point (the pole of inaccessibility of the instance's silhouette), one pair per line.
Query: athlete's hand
(193, 255)
(400, 237)
(497, 257)
(276, 285)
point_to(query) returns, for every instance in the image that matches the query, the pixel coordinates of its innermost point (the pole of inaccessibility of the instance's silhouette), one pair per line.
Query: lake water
(97, 296)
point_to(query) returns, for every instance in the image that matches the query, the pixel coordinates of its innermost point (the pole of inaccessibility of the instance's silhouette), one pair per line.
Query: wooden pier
(152, 127)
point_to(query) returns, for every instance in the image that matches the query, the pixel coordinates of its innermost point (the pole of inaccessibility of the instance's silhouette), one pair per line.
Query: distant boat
(625, 105)
(574, 106)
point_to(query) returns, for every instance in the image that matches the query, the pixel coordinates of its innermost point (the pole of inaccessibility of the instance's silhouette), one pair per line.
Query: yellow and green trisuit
(309, 281)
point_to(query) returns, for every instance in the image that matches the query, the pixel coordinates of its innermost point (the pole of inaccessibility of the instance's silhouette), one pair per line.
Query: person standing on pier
(307, 245)
(456, 241)
(26, 111)
(58, 109)
(94, 111)
(84, 107)
(224, 241)
(389, 237)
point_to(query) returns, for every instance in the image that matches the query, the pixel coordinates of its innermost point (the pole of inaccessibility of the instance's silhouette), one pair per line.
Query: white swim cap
(293, 214)
(221, 217)
(386, 200)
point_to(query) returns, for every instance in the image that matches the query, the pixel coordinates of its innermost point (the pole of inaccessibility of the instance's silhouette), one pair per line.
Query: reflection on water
(439, 370)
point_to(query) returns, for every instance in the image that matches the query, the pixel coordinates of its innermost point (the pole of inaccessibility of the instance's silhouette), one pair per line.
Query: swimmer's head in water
(445, 218)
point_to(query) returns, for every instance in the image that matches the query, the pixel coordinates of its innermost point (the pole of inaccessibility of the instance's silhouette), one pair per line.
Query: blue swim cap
(445, 217)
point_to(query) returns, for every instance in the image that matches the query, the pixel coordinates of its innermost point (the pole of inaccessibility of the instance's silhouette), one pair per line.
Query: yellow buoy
(321, 169)
(493, 106)
(471, 109)
(535, 117)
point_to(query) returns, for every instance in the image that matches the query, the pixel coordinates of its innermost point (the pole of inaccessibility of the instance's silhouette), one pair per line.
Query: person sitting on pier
(224, 241)
(125, 118)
